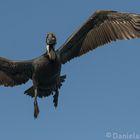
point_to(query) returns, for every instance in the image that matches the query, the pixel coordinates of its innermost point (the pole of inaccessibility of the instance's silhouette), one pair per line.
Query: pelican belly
(47, 71)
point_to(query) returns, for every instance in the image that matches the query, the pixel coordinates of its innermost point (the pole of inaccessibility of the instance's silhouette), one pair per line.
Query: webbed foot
(55, 98)
(36, 109)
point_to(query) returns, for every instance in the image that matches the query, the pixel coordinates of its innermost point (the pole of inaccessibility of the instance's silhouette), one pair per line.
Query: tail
(30, 91)
(45, 92)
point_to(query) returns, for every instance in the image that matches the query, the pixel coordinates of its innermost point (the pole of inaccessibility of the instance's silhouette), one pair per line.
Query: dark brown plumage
(101, 28)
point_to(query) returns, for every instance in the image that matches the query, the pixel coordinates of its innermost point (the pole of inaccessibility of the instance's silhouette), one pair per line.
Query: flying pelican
(45, 71)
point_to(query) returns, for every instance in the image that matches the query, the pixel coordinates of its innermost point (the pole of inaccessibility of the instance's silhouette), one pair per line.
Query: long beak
(48, 48)
(51, 52)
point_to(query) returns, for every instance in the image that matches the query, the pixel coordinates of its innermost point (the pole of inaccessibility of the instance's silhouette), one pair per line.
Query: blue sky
(102, 90)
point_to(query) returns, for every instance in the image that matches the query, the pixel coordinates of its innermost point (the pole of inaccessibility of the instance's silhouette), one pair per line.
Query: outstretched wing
(15, 72)
(101, 28)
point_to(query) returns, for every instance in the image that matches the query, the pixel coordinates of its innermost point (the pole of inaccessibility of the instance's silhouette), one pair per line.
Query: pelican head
(50, 39)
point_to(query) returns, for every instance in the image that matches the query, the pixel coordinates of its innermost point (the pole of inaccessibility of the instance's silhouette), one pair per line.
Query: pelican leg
(55, 98)
(36, 108)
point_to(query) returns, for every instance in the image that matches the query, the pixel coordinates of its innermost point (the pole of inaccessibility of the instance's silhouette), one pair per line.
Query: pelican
(45, 71)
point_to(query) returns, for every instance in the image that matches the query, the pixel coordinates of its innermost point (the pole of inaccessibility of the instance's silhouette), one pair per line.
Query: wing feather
(101, 28)
(15, 72)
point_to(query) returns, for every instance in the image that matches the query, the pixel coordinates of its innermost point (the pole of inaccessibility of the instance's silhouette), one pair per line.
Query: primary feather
(101, 28)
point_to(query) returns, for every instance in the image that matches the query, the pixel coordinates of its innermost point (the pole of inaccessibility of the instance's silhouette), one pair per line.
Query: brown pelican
(45, 71)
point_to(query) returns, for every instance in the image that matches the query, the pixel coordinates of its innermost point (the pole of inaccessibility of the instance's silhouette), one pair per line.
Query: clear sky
(102, 90)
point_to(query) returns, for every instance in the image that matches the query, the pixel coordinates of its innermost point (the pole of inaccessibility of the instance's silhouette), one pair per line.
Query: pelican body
(45, 71)
(46, 77)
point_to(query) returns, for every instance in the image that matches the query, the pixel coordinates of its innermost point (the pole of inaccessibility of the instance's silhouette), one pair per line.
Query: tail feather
(45, 92)
(30, 91)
